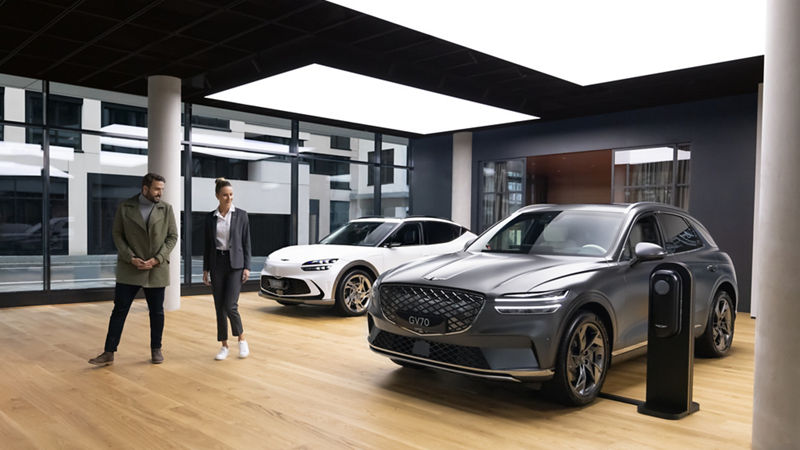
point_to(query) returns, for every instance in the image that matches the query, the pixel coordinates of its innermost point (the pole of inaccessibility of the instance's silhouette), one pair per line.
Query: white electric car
(341, 268)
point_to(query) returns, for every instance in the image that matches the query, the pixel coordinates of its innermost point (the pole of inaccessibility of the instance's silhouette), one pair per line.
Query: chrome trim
(629, 348)
(503, 375)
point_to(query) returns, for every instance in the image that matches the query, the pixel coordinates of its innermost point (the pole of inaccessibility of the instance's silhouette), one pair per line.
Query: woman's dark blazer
(240, 241)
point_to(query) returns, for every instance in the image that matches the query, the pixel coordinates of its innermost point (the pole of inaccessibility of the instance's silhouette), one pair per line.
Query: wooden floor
(312, 382)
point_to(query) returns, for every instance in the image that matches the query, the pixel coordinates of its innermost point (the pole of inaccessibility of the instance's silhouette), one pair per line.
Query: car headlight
(318, 264)
(530, 302)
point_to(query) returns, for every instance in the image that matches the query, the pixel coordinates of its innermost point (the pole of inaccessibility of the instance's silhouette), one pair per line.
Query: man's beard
(152, 197)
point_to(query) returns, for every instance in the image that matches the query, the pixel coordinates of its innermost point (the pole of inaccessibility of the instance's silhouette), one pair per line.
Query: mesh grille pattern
(458, 308)
(293, 286)
(446, 353)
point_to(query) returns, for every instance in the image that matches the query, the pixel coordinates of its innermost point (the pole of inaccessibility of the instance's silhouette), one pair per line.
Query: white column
(756, 210)
(461, 207)
(777, 371)
(164, 158)
(14, 107)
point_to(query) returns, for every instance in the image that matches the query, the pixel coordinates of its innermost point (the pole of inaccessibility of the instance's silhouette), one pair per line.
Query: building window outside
(340, 214)
(387, 173)
(62, 111)
(340, 143)
(338, 168)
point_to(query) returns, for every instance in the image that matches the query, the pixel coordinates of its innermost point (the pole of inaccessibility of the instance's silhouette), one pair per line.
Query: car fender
(347, 267)
(583, 299)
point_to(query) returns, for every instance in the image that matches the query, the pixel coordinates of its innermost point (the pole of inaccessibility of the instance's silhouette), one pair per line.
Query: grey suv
(551, 294)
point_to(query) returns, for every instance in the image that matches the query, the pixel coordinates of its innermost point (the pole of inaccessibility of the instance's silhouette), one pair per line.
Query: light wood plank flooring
(312, 382)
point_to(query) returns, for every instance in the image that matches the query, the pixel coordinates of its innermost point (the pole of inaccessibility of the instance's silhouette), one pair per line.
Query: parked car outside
(551, 294)
(340, 269)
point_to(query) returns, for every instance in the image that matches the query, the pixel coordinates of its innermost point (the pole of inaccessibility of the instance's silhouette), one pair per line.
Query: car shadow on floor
(306, 312)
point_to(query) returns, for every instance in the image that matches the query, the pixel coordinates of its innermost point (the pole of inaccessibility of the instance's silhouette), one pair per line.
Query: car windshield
(367, 234)
(572, 232)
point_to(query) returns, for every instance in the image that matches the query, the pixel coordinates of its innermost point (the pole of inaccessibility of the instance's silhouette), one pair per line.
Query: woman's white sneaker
(244, 350)
(223, 353)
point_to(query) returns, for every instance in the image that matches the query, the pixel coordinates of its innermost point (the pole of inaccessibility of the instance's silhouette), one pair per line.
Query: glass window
(678, 235)
(363, 233)
(340, 213)
(340, 142)
(503, 190)
(408, 234)
(62, 111)
(658, 174)
(644, 230)
(394, 196)
(554, 232)
(440, 232)
(387, 173)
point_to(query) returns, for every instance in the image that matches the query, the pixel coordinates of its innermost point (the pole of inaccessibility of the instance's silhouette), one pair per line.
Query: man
(144, 233)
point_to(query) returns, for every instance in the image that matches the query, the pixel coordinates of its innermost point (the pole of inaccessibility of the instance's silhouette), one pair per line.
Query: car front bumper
(497, 346)
(288, 283)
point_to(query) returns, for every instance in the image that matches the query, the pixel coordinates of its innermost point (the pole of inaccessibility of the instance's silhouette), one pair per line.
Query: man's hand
(152, 262)
(245, 275)
(206, 278)
(139, 263)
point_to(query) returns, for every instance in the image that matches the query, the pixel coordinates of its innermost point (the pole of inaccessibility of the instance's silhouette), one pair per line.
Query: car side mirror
(647, 251)
(394, 244)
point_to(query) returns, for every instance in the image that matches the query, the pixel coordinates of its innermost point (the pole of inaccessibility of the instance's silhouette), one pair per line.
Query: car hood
(303, 253)
(491, 272)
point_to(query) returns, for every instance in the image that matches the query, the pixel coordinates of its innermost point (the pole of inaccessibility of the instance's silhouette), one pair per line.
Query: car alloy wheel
(582, 362)
(718, 336)
(355, 291)
(586, 360)
(722, 323)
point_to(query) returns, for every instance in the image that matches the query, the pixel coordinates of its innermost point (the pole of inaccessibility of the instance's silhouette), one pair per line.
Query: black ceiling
(214, 45)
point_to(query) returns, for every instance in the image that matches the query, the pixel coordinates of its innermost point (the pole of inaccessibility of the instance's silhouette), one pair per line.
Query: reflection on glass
(503, 193)
(650, 174)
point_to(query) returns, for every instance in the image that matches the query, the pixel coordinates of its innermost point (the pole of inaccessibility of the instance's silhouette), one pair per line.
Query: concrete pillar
(164, 158)
(461, 207)
(756, 210)
(776, 390)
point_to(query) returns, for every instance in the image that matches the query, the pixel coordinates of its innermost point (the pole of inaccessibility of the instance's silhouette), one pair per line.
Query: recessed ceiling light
(588, 41)
(322, 91)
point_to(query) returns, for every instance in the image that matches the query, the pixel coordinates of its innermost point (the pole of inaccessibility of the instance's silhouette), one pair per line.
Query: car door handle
(711, 267)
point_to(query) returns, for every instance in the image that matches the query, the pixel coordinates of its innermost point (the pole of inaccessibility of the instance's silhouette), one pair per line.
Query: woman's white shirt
(223, 238)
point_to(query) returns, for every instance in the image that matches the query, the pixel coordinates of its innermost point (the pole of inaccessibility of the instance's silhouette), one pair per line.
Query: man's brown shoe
(104, 359)
(157, 357)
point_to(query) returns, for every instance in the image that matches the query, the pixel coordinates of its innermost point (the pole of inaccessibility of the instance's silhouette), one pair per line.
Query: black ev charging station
(670, 343)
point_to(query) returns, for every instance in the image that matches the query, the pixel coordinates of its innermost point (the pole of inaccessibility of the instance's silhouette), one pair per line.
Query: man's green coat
(154, 240)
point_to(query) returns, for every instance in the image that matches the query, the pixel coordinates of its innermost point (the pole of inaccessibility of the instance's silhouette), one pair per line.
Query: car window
(408, 234)
(440, 232)
(644, 230)
(365, 234)
(678, 235)
(579, 233)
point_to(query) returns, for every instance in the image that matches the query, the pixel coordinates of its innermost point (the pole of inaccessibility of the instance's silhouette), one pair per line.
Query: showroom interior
(94, 94)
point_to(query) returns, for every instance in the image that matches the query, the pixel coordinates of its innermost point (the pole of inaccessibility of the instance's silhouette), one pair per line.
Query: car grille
(458, 308)
(293, 286)
(436, 351)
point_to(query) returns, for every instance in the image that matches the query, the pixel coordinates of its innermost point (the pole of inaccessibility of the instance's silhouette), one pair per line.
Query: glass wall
(21, 192)
(502, 190)
(655, 174)
(97, 144)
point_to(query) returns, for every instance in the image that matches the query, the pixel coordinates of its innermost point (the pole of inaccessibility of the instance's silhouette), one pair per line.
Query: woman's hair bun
(220, 180)
(221, 183)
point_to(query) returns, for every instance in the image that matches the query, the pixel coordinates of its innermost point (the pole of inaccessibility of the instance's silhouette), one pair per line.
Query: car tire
(716, 340)
(584, 346)
(353, 293)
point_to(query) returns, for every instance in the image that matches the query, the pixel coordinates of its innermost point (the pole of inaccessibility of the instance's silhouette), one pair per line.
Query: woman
(226, 258)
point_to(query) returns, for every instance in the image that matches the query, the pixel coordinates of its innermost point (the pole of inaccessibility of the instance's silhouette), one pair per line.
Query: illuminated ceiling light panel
(588, 41)
(322, 91)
